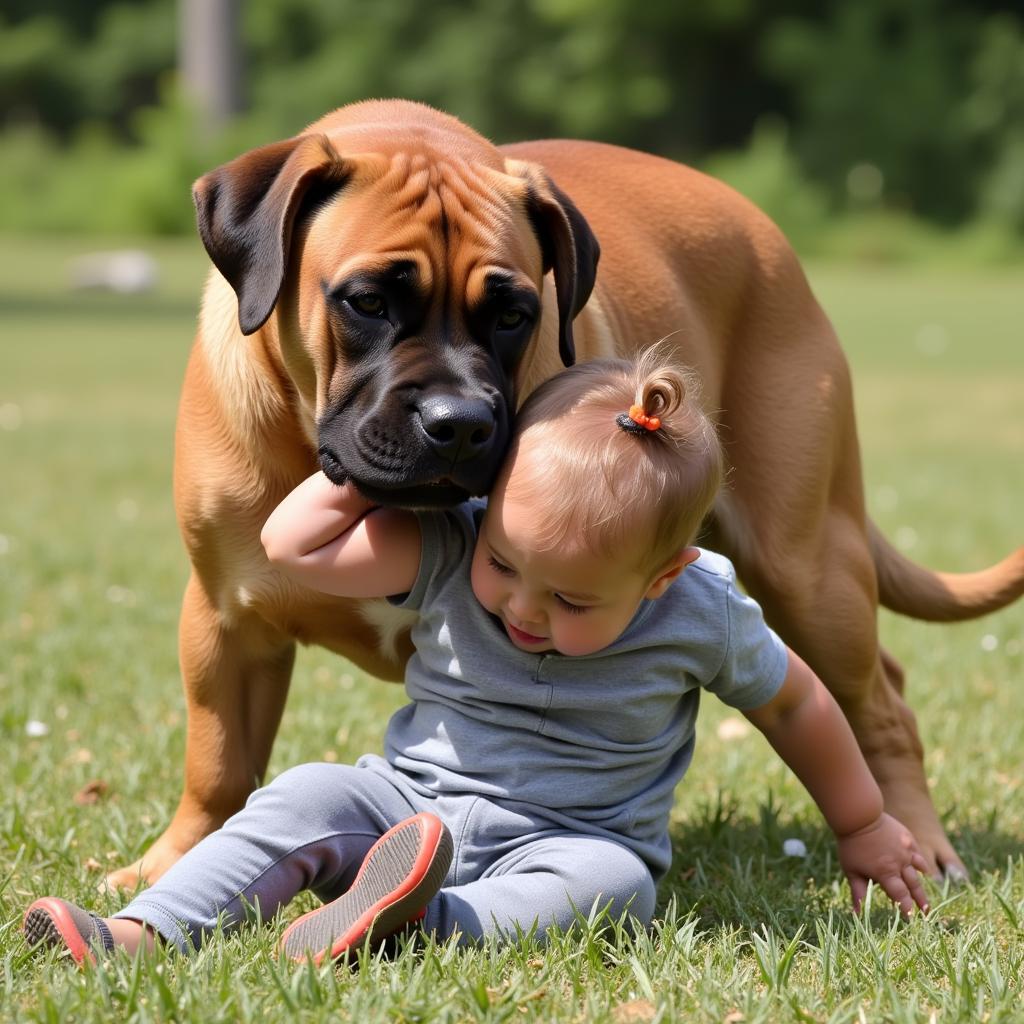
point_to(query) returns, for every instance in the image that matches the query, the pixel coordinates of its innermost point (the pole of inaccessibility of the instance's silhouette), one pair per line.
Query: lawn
(92, 715)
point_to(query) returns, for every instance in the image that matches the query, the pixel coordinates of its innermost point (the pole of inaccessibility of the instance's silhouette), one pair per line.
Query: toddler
(566, 629)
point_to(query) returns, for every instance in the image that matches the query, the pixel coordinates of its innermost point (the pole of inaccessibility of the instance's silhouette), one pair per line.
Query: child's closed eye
(572, 609)
(500, 567)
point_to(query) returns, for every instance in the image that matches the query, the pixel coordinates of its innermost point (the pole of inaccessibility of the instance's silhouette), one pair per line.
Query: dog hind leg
(829, 617)
(793, 521)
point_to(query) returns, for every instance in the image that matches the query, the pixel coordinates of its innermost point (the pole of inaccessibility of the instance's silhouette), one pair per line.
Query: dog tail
(920, 593)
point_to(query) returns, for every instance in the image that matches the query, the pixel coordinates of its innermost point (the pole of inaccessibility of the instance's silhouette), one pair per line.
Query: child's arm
(332, 539)
(809, 731)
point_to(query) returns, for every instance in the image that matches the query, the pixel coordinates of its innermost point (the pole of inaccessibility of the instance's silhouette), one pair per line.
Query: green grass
(91, 573)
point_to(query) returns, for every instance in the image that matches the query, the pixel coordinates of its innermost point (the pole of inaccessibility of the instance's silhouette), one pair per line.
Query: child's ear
(671, 572)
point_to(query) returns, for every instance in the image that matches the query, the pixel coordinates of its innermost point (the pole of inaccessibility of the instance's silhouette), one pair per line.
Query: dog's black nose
(456, 428)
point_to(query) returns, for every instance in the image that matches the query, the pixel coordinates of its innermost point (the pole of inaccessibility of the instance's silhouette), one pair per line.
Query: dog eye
(369, 304)
(510, 319)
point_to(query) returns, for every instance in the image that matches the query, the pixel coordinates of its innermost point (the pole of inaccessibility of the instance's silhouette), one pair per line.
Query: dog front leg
(236, 678)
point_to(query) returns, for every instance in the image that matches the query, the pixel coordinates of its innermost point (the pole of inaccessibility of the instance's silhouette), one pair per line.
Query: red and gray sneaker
(402, 872)
(53, 922)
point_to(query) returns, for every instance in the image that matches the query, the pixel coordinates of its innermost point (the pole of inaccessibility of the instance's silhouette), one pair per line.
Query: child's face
(564, 600)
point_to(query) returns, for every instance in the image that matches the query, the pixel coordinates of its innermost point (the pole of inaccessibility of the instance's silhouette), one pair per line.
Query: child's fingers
(915, 885)
(898, 891)
(858, 889)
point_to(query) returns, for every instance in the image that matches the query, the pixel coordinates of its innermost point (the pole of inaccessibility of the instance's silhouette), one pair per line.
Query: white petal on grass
(5, 544)
(120, 595)
(794, 848)
(733, 729)
(989, 642)
(35, 728)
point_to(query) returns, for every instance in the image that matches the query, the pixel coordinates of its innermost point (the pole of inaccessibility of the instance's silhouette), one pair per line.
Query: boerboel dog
(386, 286)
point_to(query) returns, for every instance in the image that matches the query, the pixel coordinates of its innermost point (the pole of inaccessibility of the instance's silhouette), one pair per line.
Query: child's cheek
(479, 581)
(570, 639)
(584, 634)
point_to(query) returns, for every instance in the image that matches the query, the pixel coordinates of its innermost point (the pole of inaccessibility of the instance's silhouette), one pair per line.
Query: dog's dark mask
(422, 417)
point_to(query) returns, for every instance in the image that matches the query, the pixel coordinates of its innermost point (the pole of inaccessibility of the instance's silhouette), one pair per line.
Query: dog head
(397, 261)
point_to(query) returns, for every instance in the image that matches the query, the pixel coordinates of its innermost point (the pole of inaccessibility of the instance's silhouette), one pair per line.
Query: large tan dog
(387, 286)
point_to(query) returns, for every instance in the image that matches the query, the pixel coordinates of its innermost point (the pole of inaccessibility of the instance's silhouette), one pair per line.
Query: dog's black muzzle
(437, 453)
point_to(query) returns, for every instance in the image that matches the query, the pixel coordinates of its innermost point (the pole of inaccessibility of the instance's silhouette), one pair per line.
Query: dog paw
(126, 879)
(156, 861)
(953, 870)
(911, 805)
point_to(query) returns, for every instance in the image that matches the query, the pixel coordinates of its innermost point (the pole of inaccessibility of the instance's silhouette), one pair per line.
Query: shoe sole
(416, 853)
(48, 922)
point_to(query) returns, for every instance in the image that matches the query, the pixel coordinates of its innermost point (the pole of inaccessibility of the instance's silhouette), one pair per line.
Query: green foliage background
(905, 115)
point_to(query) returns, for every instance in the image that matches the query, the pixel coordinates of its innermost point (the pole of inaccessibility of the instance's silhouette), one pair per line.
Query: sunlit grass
(91, 573)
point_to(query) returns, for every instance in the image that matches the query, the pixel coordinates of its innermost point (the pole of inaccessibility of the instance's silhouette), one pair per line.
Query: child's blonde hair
(592, 481)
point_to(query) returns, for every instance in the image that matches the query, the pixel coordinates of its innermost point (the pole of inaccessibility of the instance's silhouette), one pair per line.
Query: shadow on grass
(732, 871)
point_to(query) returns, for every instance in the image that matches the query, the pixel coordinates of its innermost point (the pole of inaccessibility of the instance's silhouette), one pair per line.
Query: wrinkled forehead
(448, 221)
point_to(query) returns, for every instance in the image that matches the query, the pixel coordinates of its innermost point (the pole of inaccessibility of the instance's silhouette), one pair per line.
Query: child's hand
(322, 537)
(884, 852)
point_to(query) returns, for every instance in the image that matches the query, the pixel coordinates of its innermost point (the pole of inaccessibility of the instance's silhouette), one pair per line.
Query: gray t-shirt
(594, 744)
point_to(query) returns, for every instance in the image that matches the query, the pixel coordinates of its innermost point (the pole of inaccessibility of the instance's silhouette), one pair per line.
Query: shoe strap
(104, 933)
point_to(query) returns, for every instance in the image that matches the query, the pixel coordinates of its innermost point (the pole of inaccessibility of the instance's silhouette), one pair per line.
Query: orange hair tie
(636, 421)
(637, 415)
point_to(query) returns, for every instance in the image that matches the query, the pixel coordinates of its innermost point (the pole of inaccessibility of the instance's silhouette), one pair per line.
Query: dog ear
(247, 208)
(569, 248)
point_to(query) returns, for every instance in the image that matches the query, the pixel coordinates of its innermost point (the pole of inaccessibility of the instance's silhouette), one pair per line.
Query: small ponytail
(604, 466)
(661, 391)
(666, 401)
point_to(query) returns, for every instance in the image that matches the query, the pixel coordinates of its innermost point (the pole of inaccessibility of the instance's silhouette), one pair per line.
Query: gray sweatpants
(313, 825)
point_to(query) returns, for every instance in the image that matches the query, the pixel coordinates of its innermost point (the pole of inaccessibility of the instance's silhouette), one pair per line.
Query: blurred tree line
(910, 110)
